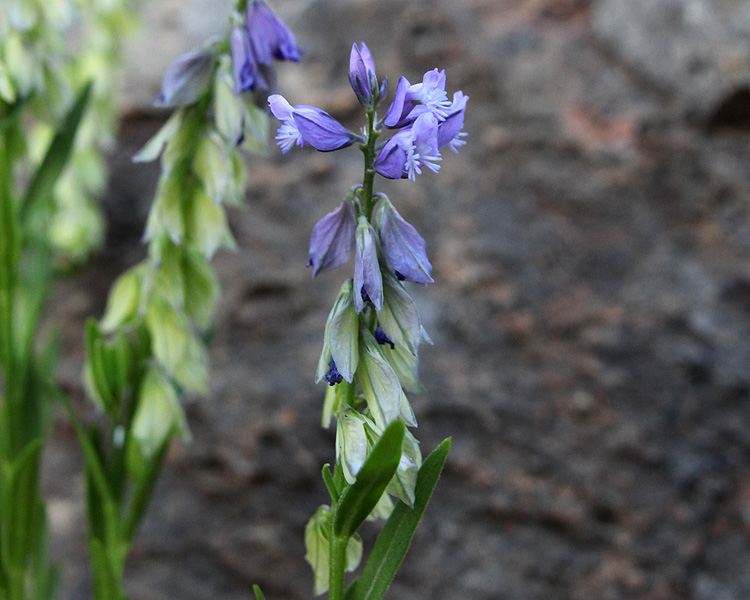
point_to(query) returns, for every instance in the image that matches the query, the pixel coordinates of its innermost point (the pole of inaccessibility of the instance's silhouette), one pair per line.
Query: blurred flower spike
(260, 37)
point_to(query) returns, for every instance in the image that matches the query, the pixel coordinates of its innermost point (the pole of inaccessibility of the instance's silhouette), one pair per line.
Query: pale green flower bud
(159, 414)
(405, 364)
(228, 110)
(170, 333)
(341, 339)
(206, 224)
(405, 480)
(124, 299)
(351, 442)
(213, 167)
(201, 287)
(166, 215)
(317, 543)
(399, 317)
(192, 371)
(379, 382)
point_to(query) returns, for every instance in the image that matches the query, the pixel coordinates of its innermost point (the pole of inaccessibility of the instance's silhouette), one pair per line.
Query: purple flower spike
(187, 78)
(269, 36)
(403, 247)
(449, 131)
(308, 124)
(412, 148)
(332, 239)
(247, 75)
(368, 281)
(362, 77)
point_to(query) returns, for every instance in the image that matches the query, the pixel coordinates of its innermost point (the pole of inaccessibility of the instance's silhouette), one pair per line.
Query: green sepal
(359, 499)
(395, 538)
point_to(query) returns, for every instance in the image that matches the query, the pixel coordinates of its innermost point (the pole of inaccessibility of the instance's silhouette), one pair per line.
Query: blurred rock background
(590, 312)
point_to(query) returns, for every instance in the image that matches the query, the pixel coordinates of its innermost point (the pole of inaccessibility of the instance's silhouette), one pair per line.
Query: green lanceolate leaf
(358, 499)
(56, 158)
(393, 542)
(20, 504)
(258, 593)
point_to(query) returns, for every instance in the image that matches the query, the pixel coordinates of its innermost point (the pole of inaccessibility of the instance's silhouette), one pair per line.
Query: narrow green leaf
(44, 179)
(395, 538)
(358, 499)
(22, 501)
(258, 593)
(144, 488)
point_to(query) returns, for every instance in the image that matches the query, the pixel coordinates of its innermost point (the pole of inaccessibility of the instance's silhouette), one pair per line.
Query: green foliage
(359, 499)
(395, 538)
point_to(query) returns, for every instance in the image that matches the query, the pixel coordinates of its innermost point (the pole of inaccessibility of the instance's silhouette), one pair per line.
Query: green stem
(368, 149)
(337, 567)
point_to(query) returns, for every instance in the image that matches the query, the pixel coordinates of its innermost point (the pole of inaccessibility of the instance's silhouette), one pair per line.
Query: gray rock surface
(697, 50)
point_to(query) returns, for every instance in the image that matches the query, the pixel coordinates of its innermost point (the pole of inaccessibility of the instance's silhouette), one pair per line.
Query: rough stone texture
(591, 320)
(698, 50)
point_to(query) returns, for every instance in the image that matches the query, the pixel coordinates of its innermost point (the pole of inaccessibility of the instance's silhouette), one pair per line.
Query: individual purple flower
(332, 238)
(368, 281)
(449, 131)
(414, 100)
(363, 79)
(307, 124)
(412, 148)
(403, 247)
(247, 75)
(269, 36)
(187, 78)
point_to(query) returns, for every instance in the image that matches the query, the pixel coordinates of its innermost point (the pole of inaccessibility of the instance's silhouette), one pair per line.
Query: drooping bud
(187, 77)
(402, 245)
(341, 339)
(368, 281)
(351, 442)
(269, 36)
(379, 382)
(159, 414)
(247, 75)
(399, 317)
(332, 238)
(404, 482)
